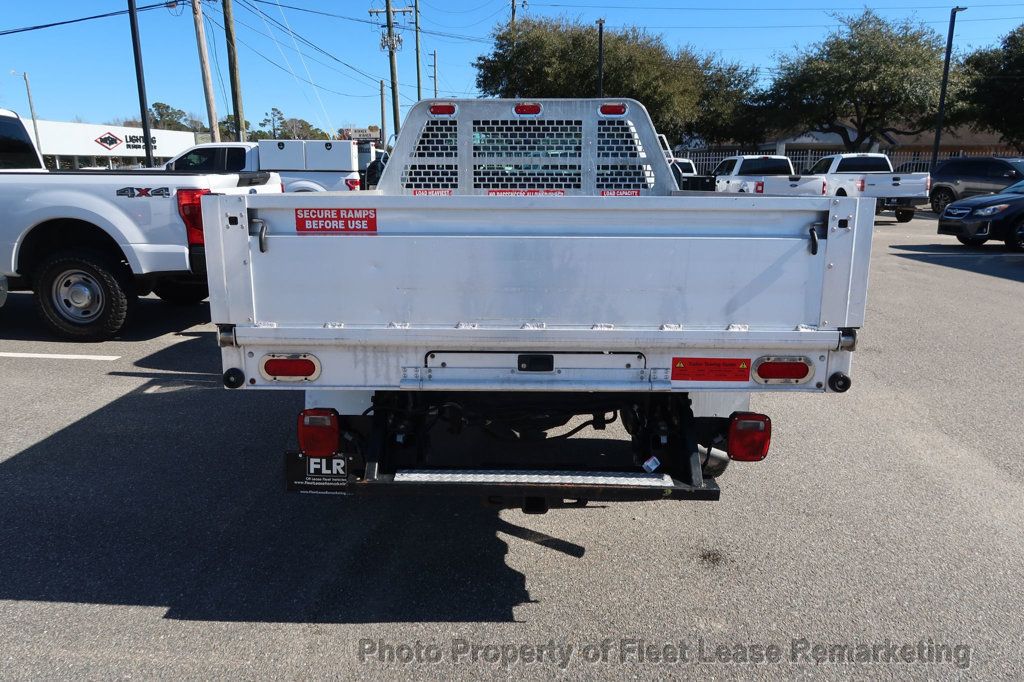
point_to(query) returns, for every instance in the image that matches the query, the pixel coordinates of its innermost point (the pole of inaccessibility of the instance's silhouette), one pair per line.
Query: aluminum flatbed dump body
(396, 310)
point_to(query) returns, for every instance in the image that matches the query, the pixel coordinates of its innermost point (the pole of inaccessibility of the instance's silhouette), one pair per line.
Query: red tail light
(759, 187)
(860, 185)
(298, 367)
(750, 434)
(528, 108)
(191, 213)
(442, 109)
(928, 184)
(352, 184)
(319, 432)
(613, 109)
(782, 370)
(824, 187)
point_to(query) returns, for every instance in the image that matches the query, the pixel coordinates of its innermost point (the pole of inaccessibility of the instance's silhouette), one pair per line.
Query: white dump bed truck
(524, 270)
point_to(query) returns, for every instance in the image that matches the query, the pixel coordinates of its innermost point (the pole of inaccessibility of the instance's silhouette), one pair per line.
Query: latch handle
(814, 241)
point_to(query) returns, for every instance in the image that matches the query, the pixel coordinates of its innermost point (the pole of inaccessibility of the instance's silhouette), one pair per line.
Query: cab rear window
(864, 164)
(766, 167)
(16, 149)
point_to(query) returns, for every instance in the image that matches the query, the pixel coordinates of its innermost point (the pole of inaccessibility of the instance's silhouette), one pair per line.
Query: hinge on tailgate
(847, 338)
(226, 336)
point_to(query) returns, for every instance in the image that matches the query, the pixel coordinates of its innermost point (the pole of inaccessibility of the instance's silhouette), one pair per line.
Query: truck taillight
(319, 432)
(928, 184)
(782, 370)
(352, 184)
(527, 109)
(294, 367)
(613, 109)
(442, 109)
(750, 434)
(191, 212)
(824, 187)
(759, 187)
(860, 185)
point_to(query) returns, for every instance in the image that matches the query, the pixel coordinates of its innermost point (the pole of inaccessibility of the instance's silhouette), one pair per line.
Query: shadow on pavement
(172, 496)
(150, 319)
(989, 259)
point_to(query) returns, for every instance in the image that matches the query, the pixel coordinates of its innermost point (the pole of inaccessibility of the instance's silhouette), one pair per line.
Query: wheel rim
(77, 296)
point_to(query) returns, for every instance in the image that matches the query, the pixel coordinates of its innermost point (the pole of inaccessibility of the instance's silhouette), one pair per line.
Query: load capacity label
(358, 220)
(620, 192)
(710, 369)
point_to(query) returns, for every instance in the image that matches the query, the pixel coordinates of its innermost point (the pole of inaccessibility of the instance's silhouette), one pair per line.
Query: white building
(81, 145)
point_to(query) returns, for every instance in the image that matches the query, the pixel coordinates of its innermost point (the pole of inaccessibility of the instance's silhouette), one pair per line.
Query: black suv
(965, 177)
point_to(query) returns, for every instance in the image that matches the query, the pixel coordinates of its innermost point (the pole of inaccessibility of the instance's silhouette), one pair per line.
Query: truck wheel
(182, 293)
(972, 241)
(941, 198)
(904, 215)
(82, 296)
(1015, 239)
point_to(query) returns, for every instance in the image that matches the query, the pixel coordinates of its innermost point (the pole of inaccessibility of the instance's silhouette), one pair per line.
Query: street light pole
(31, 107)
(600, 57)
(940, 119)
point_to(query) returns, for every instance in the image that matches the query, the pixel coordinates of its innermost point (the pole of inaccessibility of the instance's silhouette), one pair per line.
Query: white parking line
(61, 356)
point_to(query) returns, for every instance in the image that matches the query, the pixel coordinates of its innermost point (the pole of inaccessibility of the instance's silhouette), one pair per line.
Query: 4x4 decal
(137, 192)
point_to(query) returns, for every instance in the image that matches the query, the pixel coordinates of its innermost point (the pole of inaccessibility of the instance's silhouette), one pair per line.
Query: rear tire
(941, 198)
(1015, 240)
(82, 295)
(182, 293)
(904, 215)
(972, 241)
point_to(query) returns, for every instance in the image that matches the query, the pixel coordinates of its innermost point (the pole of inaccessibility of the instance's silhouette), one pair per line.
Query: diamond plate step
(526, 477)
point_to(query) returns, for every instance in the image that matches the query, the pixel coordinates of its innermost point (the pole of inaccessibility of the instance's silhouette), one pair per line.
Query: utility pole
(940, 119)
(140, 80)
(512, 21)
(236, 85)
(419, 85)
(600, 57)
(383, 119)
(31, 107)
(435, 74)
(392, 42)
(204, 66)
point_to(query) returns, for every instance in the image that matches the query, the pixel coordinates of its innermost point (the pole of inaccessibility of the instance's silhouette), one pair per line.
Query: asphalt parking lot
(144, 531)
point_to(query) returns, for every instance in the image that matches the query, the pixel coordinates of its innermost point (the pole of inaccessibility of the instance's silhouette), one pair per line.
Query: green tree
(994, 94)
(869, 78)
(731, 106)
(273, 122)
(229, 127)
(166, 117)
(558, 58)
(300, 129)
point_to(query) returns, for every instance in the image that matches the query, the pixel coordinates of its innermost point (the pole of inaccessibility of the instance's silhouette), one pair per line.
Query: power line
(704, 8)
(39, 27)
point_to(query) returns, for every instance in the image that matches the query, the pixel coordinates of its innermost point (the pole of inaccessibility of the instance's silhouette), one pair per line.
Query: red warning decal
(526, 192)
(710, 369)
(620, 192)
(357, 220)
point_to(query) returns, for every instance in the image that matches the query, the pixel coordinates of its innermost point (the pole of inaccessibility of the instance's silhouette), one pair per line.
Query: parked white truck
(765, 174)
(871, 175)
(89, 242)
(304, 165)
(525, 270)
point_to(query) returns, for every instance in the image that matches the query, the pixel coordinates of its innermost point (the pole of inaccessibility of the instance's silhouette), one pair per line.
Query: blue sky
(85, 70)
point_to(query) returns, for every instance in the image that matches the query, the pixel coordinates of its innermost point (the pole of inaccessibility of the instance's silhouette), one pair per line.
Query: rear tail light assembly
(292, 367)
(759, 187)
(613, 109)
(860, 185)
(352, 184)
(527, 109)
(824, 187)
(928, 184)
(750, 434)
(319, 432)
(443, 109)
(772, 370)
(191, 211)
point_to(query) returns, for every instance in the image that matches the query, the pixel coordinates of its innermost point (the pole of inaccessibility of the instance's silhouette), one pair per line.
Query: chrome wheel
(77, 296)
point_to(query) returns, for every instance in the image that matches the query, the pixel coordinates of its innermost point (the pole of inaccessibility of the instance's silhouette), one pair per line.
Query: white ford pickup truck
(871, 175)
(765, 175)
(304, 165)
(525, 270)
(88, 242)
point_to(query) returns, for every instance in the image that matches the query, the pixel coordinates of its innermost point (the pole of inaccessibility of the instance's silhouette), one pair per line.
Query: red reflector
(759, 187)
(191, 213)
(352, 184)
(319, 433)
(615, 109)
(782, 370)
(442, 109)
(750, 434)
(528, 109)
(289, 367)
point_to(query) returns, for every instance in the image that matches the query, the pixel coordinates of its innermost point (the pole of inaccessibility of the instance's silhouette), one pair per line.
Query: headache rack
(551, 147)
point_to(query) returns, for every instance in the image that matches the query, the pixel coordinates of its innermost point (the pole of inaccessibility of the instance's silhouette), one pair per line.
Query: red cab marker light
(750, 434)
(442, 109)
(613, 109)
(319, 432)
(782, 370)
(191, 212)
(298, 367)
(528, 108)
